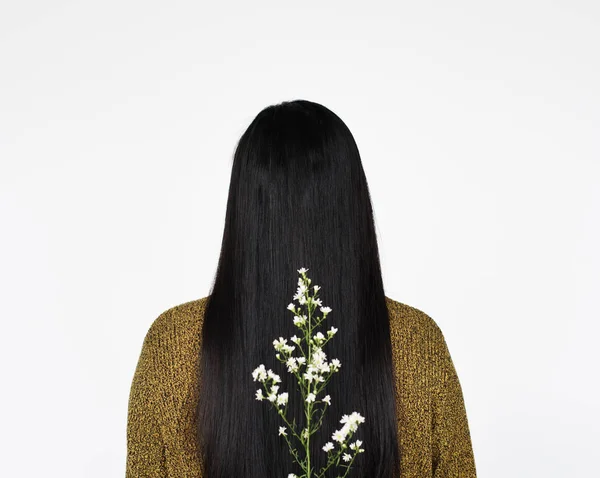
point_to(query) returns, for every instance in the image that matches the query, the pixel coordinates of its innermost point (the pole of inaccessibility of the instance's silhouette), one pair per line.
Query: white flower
(295, 339)
(291, 306)
(332, 331)
(282, 398)
(311, 397)
(300, 319)
(259, 394)
(356, 446)
(301, 359)
(328, 446)
(301, 290)
(325, 310)
(347, 457)
(335, 363)
(318, 356)
(291, 364)
(339, 435)
(274, 388)
(316, 287)
(282, 431)
(278, 344)
(260, 373)
(302, 270)
(316, 301)
(272, 397)
(319, 337)
(327, 399)
(273, 376)
(291, 475)
(323, 368)
(302, 300)
(352, 420)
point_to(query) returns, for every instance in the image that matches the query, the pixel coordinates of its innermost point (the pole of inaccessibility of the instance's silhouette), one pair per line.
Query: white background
(478, 127)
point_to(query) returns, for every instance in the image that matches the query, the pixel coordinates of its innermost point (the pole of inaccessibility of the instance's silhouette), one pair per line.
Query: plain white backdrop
(478, 125)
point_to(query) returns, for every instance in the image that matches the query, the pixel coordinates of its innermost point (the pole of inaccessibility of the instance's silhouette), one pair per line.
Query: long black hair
(298, 197)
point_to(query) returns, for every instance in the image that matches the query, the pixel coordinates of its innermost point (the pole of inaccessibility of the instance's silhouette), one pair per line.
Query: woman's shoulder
(407, 317)
(415, 335)
(178, 320)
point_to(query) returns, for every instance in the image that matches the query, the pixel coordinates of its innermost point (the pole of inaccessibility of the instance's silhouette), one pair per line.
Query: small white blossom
(272, 397)
(339, 435)
(295, 339)
(335, 363)
(332, 331)
(356, 446)
(300, 320)
(292, 365)
(316, 301)
(259, 394)
(347, 457)
(310, 397)
(352, 420)
(328, 446)
(318, 356)
(278, 344)
(302, 270)
(282, 431)
(319, 337)
(291, 306)
(323, 368)
(282, 399)
(300, 291)
(327, 399)
(325, 310)
(260, 373)
(273, 376)
(316, 287)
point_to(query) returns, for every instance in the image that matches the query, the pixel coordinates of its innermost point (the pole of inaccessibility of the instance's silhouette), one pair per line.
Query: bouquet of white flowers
(311, 380)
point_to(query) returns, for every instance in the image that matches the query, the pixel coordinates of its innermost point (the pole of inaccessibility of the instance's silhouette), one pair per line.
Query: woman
(298, 197)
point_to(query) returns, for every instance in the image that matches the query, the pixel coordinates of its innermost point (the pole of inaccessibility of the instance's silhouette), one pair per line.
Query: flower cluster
(266, 377)
(313, 371)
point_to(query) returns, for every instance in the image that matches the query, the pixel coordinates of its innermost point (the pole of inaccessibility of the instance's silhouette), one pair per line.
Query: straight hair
(298, 197)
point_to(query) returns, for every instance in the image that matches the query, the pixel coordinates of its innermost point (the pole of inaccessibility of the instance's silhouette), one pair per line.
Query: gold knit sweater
(433, 430)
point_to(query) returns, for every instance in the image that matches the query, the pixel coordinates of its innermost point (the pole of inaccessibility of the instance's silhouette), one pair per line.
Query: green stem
(309, 411)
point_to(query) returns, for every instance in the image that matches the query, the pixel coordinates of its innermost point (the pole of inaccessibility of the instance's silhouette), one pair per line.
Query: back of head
(298, 197)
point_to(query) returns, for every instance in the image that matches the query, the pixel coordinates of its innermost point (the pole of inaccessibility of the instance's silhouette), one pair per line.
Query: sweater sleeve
(145, 448)
(452, 448)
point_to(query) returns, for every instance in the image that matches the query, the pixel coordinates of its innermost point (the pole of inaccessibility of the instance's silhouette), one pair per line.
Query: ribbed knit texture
(433, 430)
